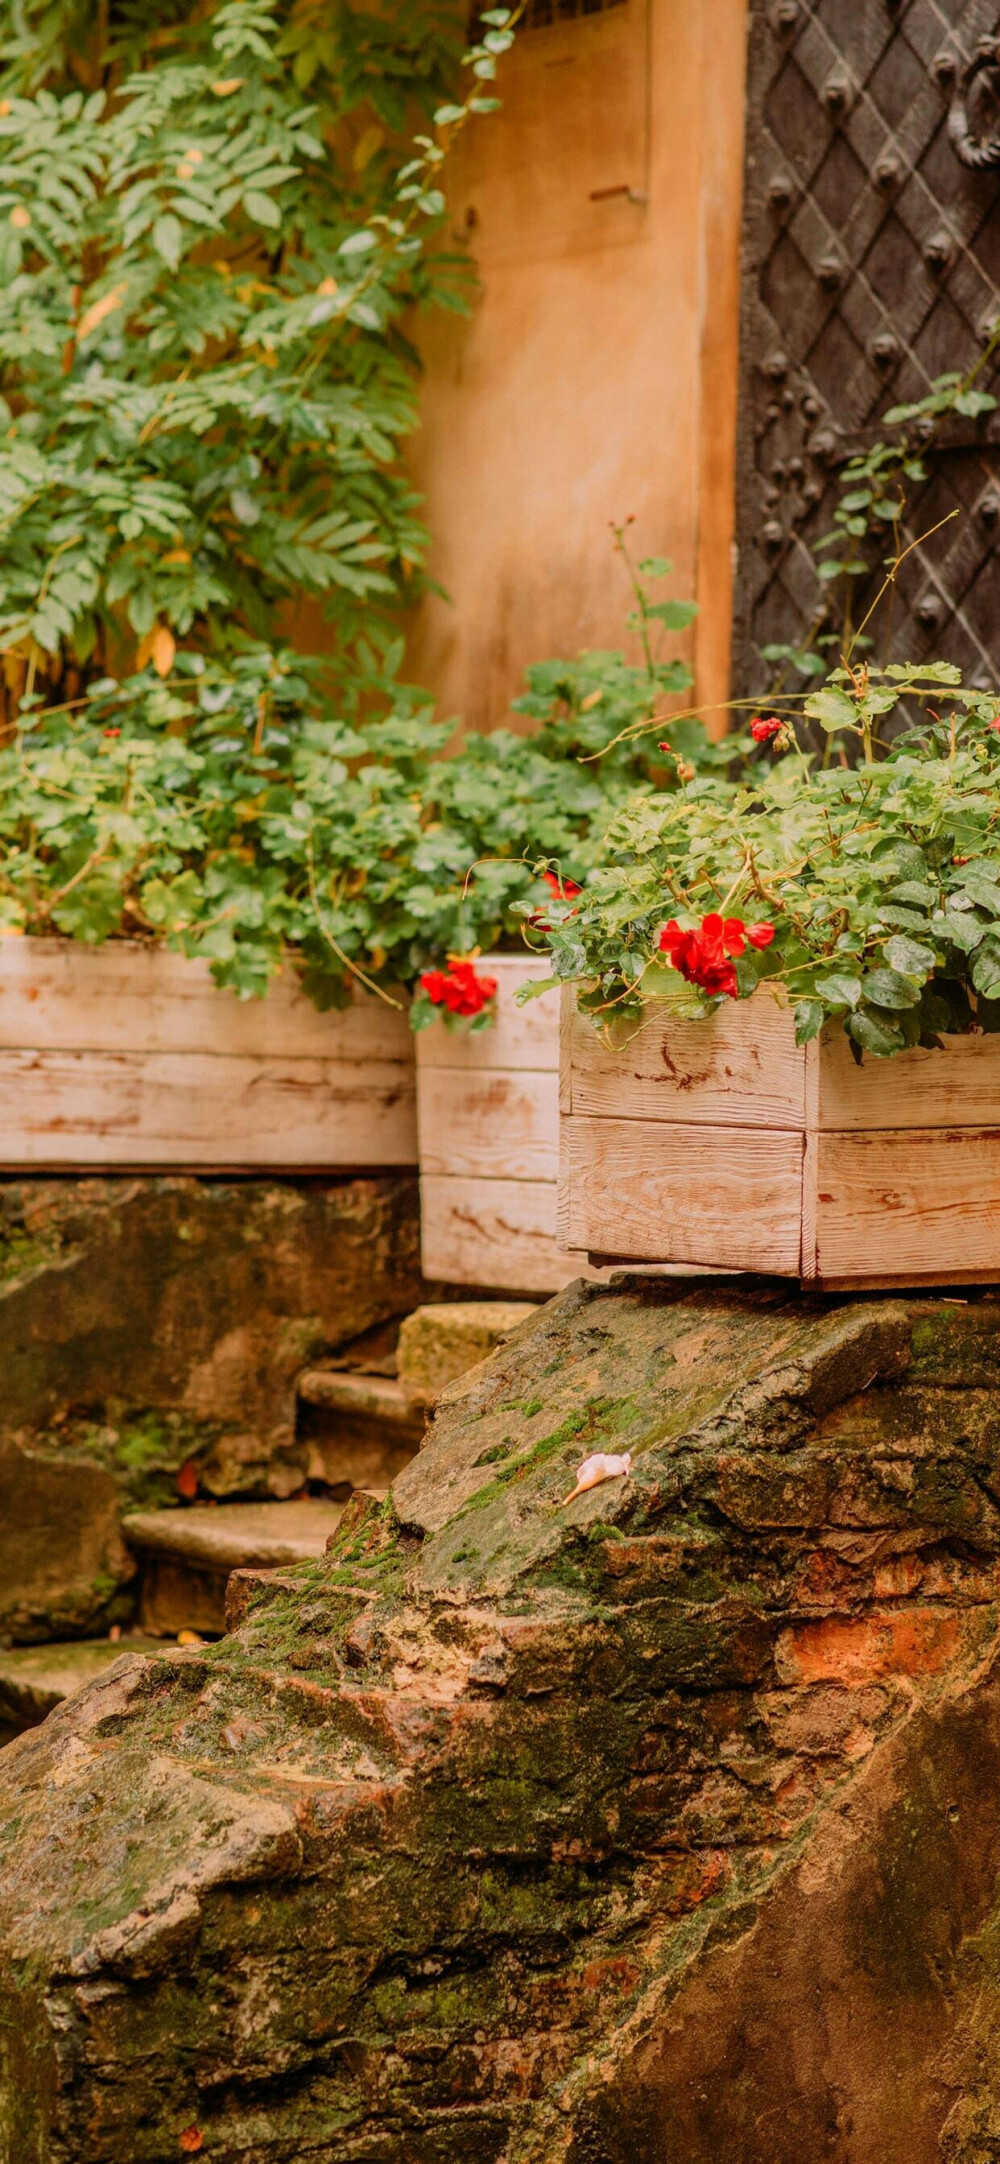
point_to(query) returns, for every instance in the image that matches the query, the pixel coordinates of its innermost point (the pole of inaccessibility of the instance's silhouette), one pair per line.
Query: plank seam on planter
(808, 1252)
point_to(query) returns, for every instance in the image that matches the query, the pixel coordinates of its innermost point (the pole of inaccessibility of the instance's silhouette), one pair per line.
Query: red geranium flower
(703, 957)
(112, 732)
(762, 731)
(458, 987)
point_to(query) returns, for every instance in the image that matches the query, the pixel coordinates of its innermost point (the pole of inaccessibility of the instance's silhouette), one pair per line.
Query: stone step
(186, 1555)
(35, 1679)
(360, 1428)
(440, 1342)
(354, 1392)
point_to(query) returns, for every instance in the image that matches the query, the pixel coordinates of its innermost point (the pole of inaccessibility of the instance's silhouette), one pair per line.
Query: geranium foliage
(240, 811)
(865, 884)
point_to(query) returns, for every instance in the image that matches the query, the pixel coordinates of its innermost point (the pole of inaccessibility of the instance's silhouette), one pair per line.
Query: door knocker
(976, 151)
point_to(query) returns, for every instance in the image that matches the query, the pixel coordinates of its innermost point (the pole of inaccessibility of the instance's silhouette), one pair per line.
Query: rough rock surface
(202, 1299)
(35, 1679)
(661, 1828)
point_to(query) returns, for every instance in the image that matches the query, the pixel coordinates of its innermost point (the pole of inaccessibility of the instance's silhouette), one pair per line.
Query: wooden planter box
(723, 1143)
(488, 1124)
(130, 1057)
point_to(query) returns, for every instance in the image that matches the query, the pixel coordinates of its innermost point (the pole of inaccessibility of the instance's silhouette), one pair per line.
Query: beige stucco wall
(597, 375)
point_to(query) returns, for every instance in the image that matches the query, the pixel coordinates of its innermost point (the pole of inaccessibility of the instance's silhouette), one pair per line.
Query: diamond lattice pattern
(872, 265)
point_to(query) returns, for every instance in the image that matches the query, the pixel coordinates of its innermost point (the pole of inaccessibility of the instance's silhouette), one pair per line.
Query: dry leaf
(187, 1479)
(163, 649)
(225, 89)
(106, 306)
(365, 148)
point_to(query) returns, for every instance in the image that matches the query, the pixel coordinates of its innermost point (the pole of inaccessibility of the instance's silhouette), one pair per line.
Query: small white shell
(600, 1467)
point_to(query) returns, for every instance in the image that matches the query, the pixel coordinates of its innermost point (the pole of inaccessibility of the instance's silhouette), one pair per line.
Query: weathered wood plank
(730, 1196)
(487, 1124)
(500, 1233)
(908, 1203)
(57, 995)
(518, 1036)
(959, 1087)
(739, 1068)
(205, 1109)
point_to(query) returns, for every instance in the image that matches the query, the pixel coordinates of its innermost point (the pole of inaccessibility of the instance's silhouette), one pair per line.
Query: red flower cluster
(704, 957)
(458, 988)
(762, 731)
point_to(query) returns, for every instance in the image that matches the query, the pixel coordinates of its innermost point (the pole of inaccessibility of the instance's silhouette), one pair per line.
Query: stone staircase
(362, 1415)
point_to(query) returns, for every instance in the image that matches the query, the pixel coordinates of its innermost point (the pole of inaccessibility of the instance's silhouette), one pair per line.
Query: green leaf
(832, 709)
(875, 1036)
(981, 889)
(972, 403)
(838, 989)
(360, 243)
(261, 208)
(917, 891)
(928, 672)
(985, 970)
(888, 988)
(909, 957)
(168, 239)
(656, 567)
(674, 615)
(964, 932)
(810, 1016)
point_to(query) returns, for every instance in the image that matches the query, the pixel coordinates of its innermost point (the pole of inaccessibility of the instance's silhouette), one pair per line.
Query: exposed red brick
(858, 1649)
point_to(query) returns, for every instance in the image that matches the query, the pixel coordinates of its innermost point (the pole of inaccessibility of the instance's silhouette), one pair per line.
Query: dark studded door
(871, 267)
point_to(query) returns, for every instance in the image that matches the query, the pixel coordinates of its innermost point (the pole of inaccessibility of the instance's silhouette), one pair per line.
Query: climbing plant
(868, 533)
(210, 242)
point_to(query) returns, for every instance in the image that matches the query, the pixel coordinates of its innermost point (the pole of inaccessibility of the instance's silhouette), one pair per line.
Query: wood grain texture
(128, 1109)
(908, 1204)
(647, 1191)
(127, 997)
(491, 1125)
(959, 1087)
(518, 1037)
(500, 1233)
(739, 1068)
